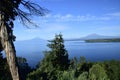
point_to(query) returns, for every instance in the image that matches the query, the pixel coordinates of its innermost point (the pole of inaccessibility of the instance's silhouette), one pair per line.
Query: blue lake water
(93, 51)
(33, 52)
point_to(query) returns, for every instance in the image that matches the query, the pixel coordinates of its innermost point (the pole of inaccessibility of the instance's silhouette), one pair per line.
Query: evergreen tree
(55, 61)
(59, 55)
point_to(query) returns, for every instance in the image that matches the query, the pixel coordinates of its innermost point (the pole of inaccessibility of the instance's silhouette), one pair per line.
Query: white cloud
(33, 30)
(67, 16)
(116, 14)
(57, 16)
(70, 17)
(104, 18)
(47, 16)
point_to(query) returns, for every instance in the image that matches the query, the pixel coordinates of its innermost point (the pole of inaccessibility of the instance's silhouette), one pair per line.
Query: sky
(74, 19)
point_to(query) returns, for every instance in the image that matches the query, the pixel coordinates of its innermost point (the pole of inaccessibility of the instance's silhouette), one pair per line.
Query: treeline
(103, 40)
(24, 68)
(57, 66)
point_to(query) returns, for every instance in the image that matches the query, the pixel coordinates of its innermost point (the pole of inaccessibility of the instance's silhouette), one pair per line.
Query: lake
(33, 52)
(93, 51)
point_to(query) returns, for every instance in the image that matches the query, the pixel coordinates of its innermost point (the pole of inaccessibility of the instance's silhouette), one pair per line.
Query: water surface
(94, 51)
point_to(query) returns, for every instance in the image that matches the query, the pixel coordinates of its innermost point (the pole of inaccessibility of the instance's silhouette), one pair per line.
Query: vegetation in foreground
(57, 66)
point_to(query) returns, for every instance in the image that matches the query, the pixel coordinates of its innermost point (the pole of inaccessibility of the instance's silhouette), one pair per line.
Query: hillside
(104, 40)
(93, 36)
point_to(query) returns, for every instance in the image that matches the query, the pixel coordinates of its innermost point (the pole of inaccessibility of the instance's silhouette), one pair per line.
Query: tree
(67, 75)
(83, 76)
(112, 68)
(97, 72)
(58, 54)
(73, 63)
(55, 61)
(9, 10)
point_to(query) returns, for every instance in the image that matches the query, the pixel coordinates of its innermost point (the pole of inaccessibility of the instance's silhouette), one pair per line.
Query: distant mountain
(32, 49)
(93, 36)
(97, 36)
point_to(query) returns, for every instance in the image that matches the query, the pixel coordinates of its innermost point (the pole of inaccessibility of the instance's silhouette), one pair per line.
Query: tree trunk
(8, 47)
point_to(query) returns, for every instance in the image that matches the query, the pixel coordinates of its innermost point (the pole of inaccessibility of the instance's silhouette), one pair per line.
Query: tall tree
(9, 10)
(58, 54)
(55, 61)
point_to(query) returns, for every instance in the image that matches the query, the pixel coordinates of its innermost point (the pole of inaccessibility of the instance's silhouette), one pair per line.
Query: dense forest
(56, 65)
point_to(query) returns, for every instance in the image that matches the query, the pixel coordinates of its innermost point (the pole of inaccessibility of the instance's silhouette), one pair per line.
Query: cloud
(33, 30)
(47, 16)
(67, 16)
(116, 14)
(104, 18)
(70, 17)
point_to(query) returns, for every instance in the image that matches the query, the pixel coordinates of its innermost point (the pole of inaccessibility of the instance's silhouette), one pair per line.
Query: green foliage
(82, 70)
(82, 59)
(68, 75)
(55, 60)
(113, 69)
(37, 75)
(97, 72)
(82, 67)
(83, 76)
(56, 66)
(58, 53)
(73, 63)
(57, 57)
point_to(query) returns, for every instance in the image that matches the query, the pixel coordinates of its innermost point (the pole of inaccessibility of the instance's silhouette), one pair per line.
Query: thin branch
(12, 10)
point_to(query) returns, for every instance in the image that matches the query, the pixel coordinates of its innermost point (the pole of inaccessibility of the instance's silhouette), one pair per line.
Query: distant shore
(103, 40)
